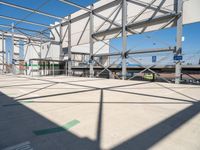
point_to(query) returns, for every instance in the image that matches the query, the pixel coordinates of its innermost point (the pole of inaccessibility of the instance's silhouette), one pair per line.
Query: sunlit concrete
(113, 114)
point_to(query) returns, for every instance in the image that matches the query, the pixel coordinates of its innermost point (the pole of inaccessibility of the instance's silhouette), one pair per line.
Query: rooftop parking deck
(72, 113)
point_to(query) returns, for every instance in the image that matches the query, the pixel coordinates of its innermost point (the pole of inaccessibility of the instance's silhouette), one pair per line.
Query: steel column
(179, 9)
(3, 52)
(124, 38)
(69, 49)
(31, 68)
(61, 46)
(12, 47)
(91, 42)
(40, 56)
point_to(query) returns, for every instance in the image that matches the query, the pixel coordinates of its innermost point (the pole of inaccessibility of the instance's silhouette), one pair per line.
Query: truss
(105, 20)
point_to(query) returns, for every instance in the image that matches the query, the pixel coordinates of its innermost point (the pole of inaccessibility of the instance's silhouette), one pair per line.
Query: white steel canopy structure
(142, 16)
(108, 19)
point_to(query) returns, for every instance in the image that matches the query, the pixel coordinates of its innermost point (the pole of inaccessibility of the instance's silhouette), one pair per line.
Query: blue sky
(162, 38)
(52, 7)
(165, 38)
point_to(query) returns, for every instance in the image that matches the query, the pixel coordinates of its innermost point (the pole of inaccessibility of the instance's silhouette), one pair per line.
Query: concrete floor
(109, 114)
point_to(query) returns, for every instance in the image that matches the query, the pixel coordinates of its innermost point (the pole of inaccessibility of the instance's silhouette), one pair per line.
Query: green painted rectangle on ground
(65, 127)
(26, 102)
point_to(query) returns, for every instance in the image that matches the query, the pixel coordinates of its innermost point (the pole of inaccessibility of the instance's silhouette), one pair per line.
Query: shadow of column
(18, 123)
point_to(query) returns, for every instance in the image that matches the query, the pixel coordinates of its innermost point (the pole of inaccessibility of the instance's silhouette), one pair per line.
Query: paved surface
(70, 113)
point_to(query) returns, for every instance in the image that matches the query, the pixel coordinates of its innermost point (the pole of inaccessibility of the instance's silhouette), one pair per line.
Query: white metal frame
(110, 26)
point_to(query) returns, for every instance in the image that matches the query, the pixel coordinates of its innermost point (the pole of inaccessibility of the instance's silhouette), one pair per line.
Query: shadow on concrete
(154, 96)
(90, 102)
(100, 119)
(37, 90)
(177, 92)
(153, 135)
(54, 95)
(18, 123)
(21, 85)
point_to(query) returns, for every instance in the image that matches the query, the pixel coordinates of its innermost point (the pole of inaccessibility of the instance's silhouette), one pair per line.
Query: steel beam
(64, 35)
(30, 35)
(124, 38)
(10, 36)
(152, 7)
(108, 17)
(30, 10)
(154, 13)
(139, 24)
(84, 29)
(108, 54)
(134, 52)
(30, 30)
(87, 14)
(80, 53)
(140, 13)
(75, 5)
(179, 33)
(22, 37)
(113, 21)
(147, 68)
(107, 67)
(24, 21)
(157, 50)
(55, 42)
(91, 42)
(102, 67)
(107, 6)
